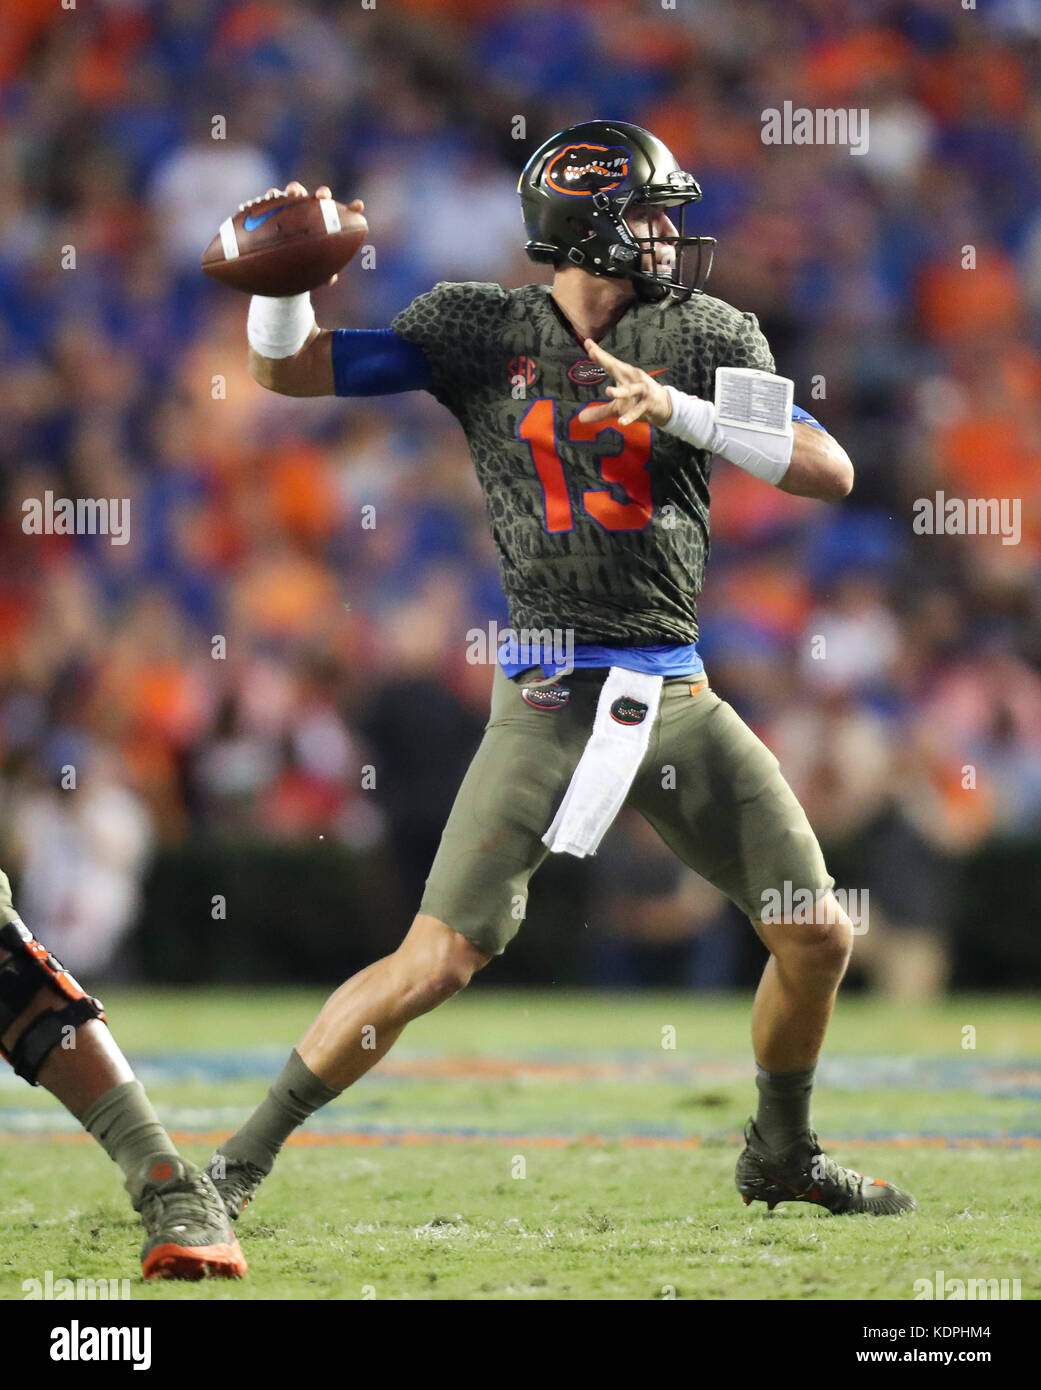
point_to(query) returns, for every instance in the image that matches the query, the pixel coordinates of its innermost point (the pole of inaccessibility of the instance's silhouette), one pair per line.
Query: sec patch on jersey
(281, 245)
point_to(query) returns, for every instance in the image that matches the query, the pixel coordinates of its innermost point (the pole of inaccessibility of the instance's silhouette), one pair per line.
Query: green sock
(296, 1094)
(783, 1117)
(128, 1129)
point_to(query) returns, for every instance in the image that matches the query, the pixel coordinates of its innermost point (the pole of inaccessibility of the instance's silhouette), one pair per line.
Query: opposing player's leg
(715, 793)
(472, 907)
(56, 1036)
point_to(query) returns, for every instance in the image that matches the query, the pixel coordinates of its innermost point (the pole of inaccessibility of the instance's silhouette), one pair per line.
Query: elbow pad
(750, 423)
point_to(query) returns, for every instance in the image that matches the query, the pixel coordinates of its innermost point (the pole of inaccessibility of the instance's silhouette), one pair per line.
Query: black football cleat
(804, 1173)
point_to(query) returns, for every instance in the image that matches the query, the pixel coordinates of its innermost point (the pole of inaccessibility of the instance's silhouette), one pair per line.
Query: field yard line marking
(412, 1138)
(1012, 1078)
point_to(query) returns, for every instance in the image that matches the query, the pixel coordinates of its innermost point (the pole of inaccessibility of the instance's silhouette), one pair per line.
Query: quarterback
(593, 409)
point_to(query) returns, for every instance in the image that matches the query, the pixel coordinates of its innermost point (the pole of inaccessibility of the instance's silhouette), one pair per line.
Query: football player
(55, 1036)
(597, 496)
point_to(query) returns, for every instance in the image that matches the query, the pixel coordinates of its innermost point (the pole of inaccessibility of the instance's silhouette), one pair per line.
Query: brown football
(280, 245)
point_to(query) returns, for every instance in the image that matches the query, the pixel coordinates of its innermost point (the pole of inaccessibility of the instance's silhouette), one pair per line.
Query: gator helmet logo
(546, 697)
(525, 369)
(626, 711)
(586, 372)
(582, 170)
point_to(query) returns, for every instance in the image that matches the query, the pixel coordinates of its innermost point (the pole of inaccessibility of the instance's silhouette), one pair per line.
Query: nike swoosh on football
(252, 222)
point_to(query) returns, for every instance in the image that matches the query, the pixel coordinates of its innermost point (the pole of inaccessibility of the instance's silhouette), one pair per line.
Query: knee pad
(30, 968)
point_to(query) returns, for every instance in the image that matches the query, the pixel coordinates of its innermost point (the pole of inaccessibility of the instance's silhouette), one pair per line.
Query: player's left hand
(634, 396)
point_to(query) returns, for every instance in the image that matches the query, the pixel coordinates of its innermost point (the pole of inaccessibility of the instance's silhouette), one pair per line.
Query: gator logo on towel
(626, 711)
(582, 170)
(546, 697)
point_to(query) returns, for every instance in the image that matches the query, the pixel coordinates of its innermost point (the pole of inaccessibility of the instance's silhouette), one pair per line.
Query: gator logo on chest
(546, 697)
(627, 711)
(586, 372)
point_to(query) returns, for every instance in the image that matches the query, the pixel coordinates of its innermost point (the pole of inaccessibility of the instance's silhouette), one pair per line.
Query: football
(281, 245)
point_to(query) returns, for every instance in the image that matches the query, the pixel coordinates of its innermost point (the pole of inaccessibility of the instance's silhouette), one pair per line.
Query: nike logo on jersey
(252, 222)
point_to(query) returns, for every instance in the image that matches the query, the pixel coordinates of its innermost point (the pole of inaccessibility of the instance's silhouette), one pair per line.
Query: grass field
(410, 1186)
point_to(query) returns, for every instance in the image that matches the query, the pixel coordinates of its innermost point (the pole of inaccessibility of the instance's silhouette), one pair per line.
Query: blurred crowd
(280, 651)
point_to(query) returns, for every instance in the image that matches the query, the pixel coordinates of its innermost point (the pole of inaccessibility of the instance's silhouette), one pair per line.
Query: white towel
(609, 762)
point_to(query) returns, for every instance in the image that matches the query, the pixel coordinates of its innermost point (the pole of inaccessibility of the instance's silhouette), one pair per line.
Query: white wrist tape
(694, 421)
(279, 327)
(750, 423)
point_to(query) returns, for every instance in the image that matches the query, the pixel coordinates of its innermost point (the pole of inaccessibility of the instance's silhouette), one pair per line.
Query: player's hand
(634, 396)
(295, 189)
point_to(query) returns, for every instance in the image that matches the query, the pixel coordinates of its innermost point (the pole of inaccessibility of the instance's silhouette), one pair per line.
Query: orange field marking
(414, 1138)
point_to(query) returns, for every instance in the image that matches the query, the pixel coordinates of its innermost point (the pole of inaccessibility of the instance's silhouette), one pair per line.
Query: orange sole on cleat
(195, 1262)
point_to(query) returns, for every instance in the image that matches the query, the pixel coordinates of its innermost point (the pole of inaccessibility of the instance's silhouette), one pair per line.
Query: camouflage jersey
(600, 530)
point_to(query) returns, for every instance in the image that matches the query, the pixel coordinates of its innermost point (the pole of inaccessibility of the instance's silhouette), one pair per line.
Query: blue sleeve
(801, 417)
(377, 362)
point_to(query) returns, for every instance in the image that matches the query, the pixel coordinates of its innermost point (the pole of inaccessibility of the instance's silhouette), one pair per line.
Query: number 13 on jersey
(627, 469)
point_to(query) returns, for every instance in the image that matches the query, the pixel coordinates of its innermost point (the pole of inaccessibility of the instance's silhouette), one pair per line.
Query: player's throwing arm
(278, 248)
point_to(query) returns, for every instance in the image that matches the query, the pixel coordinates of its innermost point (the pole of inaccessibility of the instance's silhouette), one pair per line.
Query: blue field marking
(353, 1123)
(344, 1125)
(1009, 1078)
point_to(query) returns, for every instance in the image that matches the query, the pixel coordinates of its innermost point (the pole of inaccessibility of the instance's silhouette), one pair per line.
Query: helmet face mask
(689, 265)
(578, 190)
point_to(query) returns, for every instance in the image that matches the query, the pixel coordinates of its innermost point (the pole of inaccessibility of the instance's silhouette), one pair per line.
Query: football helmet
(576, 190)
